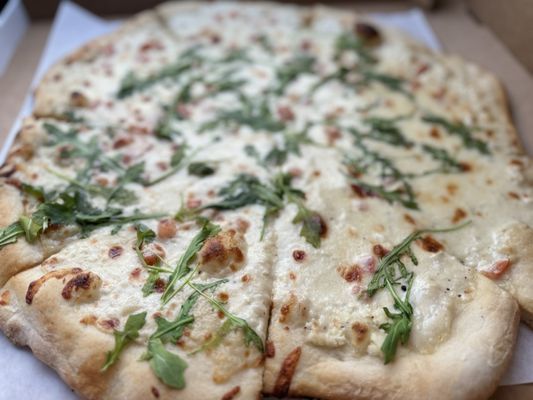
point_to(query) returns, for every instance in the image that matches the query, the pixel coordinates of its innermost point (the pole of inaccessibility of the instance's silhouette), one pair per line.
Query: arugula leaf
(246, 190)
(176, 163)
(447, 163)
(312, 225)
(251, 151)
(276, 156)
(347, 41)
(235, 322)
(131, 84)
(150, 283)
(134, 323)
(10, 234)
(119, 193)
(35, 191)
(390, 271)
(255, 114)
(169, 331)
(200, 169)
(399, 329)
(167, 366)
(461, 130)
(182, 267)
(399, 251)
(393, 83)
(32, 226)
(292, 69)
(388, 172)
(385, 130)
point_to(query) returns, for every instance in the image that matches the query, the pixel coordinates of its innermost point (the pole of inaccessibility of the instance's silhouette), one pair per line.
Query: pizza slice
(379, 311)
(165, 309)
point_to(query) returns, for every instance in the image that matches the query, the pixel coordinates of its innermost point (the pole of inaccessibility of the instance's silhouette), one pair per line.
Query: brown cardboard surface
(455, 28)
(511, 20)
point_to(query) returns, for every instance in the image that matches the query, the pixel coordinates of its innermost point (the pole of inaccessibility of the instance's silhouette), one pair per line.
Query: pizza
(224, 200)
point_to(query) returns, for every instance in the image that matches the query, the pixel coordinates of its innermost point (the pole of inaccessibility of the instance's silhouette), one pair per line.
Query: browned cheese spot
(115, 251)
(360, 331)
(222, 252)
(352, 273)
(155, 392)
(166, 228)
(83, 281)
(270, 349)
(379, 250)
(78, 99)
(458, 215)
(298, 255)
(288, 368)
(430, 244)
(4, 298)
(409, 219)
(88, 320)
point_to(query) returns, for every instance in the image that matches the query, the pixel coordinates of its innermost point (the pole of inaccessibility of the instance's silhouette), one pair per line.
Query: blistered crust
(52, 99)
(466, 366)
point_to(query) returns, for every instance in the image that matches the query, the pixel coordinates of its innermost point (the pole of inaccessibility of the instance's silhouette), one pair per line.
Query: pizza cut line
(221, 200)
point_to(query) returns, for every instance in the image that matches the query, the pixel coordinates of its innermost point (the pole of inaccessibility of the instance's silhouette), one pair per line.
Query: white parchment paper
(25, 377)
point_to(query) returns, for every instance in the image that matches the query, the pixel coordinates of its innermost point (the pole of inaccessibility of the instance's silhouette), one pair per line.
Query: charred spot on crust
(430, 244)
(4, 298)
(232, 393)
(34, 286)
(368, 33)
(288, 367)
(155, 392)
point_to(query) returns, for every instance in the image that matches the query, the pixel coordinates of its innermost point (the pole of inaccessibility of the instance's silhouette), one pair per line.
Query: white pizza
(229, 200)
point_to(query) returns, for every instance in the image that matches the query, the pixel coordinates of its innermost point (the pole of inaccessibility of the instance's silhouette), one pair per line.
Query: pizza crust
(466, 366)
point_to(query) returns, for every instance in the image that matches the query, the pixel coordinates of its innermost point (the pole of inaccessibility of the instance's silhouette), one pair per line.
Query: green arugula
(232, 323)
(385, 130)
(134, 323)
(347, 41)
(182, 267)
(459, 129)
(393, 83)
(292, 69)
(177, 162)
(171, 331)
(11, 233)
(447, 163)
(370, 160)
(200, 169)
(167, 366)
(131, 83)
(255, 114)
(390, 272)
